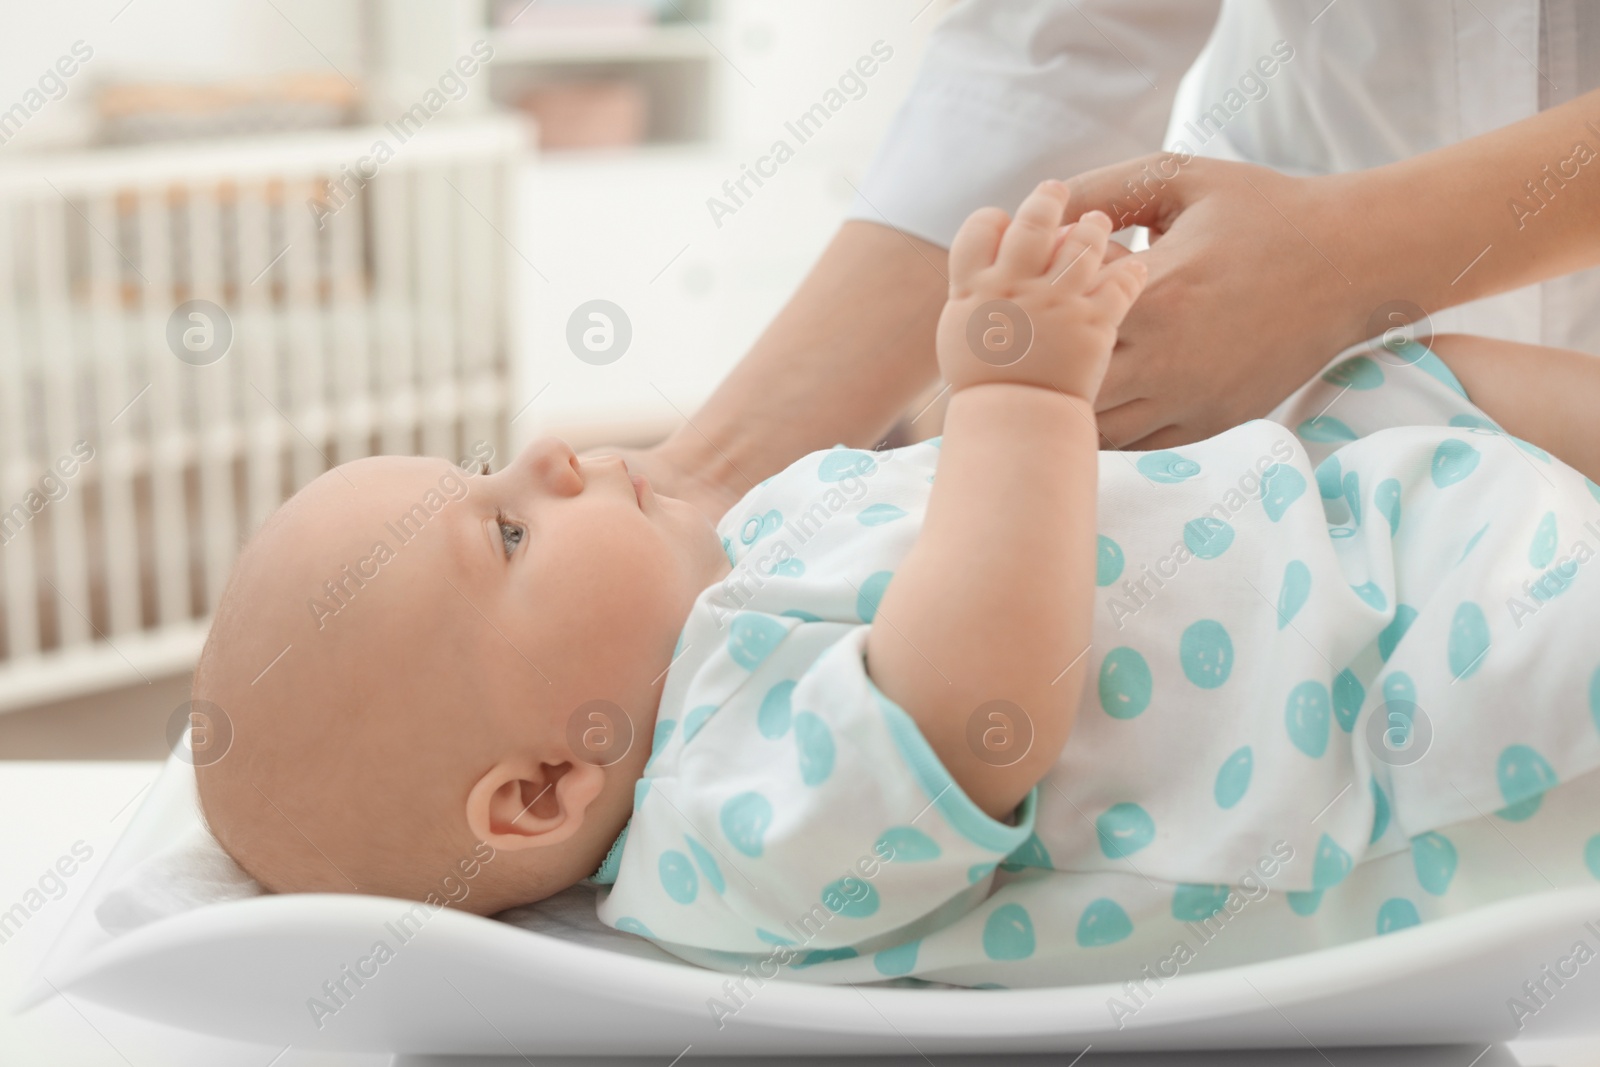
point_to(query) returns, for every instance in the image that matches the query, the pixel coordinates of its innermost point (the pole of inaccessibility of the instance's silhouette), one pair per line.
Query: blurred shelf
(672, 41)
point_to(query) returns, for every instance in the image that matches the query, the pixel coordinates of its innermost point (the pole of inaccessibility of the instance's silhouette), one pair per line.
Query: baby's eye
(510, 535)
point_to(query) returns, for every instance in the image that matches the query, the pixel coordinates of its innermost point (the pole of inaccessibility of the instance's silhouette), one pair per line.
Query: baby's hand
(1034, 302)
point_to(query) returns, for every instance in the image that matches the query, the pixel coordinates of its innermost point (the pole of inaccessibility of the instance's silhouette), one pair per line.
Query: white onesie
(1343, 679)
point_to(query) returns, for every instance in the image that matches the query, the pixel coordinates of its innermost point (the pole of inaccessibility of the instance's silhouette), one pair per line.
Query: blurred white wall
(635, 228)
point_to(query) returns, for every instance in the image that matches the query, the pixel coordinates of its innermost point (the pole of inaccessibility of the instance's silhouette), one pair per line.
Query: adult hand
(1252, 288)
(684, 478)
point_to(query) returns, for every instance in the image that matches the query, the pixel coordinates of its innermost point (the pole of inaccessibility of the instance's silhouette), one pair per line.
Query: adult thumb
(1143, 191)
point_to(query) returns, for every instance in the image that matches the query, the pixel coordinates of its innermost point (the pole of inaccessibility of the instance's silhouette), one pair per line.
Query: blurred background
(244, 240)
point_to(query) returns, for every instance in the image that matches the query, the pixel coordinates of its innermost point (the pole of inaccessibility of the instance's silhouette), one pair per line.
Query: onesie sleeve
(807, 809)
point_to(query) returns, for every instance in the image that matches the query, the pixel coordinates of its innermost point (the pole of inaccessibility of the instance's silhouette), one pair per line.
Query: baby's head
(401, 651)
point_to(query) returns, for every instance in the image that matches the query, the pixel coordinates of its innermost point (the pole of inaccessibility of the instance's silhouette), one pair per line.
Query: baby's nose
(553, 465)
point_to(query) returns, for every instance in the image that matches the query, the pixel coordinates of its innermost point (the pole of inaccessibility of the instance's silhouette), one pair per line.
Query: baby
(991, 709)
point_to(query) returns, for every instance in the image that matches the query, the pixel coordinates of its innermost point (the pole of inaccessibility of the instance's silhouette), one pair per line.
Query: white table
(50, 807)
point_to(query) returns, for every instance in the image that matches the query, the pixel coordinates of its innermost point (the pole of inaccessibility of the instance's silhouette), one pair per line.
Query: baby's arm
(994, 600)
(1546, 396)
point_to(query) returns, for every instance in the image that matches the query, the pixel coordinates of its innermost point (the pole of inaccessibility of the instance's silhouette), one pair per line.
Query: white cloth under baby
(1343, 680)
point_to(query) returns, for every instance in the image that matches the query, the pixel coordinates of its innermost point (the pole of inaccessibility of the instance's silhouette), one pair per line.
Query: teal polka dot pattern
(1326, 429)
(1594, 488)
(1389, 639)
(1031, 853)
(896, 961)
(803, 616)
(696, 718)
(758, 526)
(1281, 486)
(1594, 698)
(771, 938)
(878, 514)
(745, 819)
(787, 568)
(1434, 857)
(825, 955)
(1531, 449)
(1330, 864)
(841, 463)
(1474, 422)
(1523, 776)
(1469, 640)
(1125, 684)
(1473, 543)
(906, 844)
(707, 863)
(1357, 373)
(1207, 538)
(677, 877)
(1124, 829)
(1167, 468)
(1008, 933)
(851, 898)
(1294, 593)
(1109, 562)
(1206, 653)
(814, 742)
(871, 594)
(1591, 855)
(1348, 695)
(1386, 498)
(1233, 778)
(752, 637)
(1352, 496)
(1330, 478)
(1197, 903)
(1380, 812)
(1400, 700)
(1304, 902)
(979, 871)
(629, 925)
(1397, 913)
(1542, 552)
(776, 710)
(1103, 922)
(1453, 461)
(1307, 716)
(1372, 595)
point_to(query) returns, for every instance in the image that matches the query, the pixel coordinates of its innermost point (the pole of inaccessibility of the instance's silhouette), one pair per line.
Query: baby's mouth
(639, 484)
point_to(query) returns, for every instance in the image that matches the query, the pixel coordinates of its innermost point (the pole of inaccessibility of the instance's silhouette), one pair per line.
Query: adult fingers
(1119, 286)
(1083, 250)
(1143, 191)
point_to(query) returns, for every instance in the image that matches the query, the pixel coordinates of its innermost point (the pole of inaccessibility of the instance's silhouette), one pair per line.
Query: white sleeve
(1011, 92)
(807, 811)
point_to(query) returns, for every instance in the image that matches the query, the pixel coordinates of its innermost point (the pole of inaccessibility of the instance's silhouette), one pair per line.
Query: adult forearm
(1543, 395)
(1509, 208)
(839, 363)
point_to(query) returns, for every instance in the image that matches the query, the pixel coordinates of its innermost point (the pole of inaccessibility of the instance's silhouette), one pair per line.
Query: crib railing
(187, 335)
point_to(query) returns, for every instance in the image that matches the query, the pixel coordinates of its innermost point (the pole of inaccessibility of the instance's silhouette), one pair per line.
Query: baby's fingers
(1029, 239)
(1120, 285)
(976, 243)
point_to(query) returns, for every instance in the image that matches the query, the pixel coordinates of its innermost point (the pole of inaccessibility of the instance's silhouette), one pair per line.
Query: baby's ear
(524, 803)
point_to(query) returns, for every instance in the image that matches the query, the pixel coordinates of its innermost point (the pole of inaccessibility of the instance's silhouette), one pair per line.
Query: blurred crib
(369, 309)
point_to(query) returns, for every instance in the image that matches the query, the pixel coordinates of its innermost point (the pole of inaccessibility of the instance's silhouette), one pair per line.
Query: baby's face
(455, 626)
